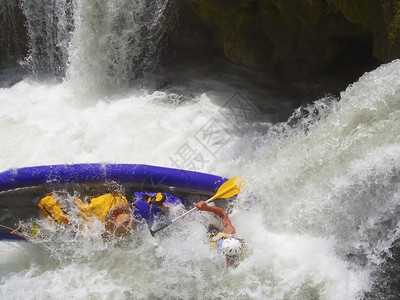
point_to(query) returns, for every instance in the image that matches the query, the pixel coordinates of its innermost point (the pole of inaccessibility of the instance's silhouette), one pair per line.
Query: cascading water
(49, 26)
(116, 42)
(319, 211)
(107, 44)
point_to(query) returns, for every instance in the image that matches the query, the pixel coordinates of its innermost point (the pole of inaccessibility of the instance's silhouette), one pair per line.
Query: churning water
(320, 210)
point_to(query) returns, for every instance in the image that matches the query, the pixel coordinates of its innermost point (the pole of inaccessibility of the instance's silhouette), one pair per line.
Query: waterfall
(49, 26)
(99, 45)
(116, 42)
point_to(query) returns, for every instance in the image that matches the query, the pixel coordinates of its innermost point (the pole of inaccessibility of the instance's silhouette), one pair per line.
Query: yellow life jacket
(158, 199)
(99, 206)
(50, 208)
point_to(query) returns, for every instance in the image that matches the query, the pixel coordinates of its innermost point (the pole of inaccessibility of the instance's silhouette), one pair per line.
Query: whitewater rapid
(319, 211)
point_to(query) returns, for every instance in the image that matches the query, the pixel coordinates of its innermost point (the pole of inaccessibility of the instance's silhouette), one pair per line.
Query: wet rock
(13, 37)
(294, 39)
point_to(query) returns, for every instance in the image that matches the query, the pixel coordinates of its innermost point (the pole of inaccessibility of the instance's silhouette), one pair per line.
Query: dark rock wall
(294, 39)
(13, 37)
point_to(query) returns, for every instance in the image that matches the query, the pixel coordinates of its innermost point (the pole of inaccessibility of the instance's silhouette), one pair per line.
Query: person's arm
(220, 212)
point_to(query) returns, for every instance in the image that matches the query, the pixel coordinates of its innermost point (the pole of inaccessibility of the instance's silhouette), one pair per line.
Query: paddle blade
(229, 188)
(152, 232)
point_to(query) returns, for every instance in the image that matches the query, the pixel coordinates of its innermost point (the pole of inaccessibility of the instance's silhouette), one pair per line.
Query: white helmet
(231, 247)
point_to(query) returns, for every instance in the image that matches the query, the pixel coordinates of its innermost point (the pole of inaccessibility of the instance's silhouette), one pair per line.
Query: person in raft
(113, 209)
(224, 241)
(120, 218)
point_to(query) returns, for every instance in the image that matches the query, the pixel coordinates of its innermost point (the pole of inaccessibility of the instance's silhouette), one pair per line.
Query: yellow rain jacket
(50, 208)
(97, 207)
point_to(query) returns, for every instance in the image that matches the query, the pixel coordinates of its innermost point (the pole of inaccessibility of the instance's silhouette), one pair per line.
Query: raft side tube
(142, 176)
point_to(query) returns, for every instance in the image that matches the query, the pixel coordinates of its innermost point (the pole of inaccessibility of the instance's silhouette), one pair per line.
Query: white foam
(317, 199)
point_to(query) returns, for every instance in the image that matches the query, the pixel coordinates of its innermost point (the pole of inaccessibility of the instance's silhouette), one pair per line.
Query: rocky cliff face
(294, 39)
(13, 38)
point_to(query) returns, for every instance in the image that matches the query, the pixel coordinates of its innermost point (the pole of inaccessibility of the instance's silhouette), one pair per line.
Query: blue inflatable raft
(22, 188)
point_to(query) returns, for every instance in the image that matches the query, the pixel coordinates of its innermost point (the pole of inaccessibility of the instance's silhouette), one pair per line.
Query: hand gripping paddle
(226, 190)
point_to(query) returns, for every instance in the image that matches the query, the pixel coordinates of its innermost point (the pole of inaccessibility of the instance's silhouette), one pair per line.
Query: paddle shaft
(226, 190)
(177, 218)
(189, 211)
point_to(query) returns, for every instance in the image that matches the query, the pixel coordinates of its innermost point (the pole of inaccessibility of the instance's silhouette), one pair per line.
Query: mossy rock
(361, 12)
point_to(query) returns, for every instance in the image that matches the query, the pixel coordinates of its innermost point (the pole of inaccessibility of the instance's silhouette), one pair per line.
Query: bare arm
(220, 212)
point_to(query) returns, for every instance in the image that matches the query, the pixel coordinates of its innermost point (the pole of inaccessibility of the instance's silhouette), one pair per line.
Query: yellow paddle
(226, 190)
